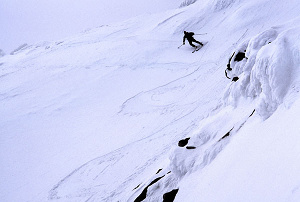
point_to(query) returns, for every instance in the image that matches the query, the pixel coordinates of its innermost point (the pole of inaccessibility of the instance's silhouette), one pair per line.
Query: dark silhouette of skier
(190, 38)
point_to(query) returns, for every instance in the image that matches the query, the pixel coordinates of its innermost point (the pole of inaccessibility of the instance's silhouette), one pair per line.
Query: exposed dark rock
(228, 64)
(158, 171)
(240, 56)
(235, 78)
(226, 74)
(191, 147)
(143, 195)
(183, 142)
(136, 187)
(252, 113)
(156, 180)
(226, 135)
(170, 196)
(228, 67)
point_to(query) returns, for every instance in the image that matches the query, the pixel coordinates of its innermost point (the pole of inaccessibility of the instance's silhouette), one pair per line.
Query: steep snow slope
(97, 117)
(261, 161)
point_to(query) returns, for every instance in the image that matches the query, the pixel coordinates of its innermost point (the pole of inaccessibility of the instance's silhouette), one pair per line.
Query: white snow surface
(98, 116)
(31, 21)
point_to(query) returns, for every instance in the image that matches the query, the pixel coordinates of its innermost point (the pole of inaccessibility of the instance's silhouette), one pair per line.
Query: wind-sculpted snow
(201, 149)
(266, 73)
(208, 140)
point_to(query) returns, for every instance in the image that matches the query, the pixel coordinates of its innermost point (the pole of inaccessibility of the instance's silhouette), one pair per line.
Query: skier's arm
(184, 40)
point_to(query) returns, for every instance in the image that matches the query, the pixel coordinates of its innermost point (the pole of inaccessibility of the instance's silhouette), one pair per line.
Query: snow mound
(268, 72)
(197, 151)
(208, 140)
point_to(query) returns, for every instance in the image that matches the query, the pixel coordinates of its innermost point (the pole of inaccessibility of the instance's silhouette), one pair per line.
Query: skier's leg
(198, 42)
(192, 44)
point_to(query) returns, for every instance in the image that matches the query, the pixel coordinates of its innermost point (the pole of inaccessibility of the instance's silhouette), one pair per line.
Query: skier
(190, 38)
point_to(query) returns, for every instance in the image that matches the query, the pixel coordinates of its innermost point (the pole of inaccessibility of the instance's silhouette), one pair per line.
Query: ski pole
(201, 34)
(180, 45)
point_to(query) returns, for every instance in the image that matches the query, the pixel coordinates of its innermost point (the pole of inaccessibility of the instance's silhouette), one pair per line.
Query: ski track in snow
(136, 97)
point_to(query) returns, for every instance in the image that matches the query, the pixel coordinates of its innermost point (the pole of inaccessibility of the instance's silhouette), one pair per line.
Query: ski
(197, 48)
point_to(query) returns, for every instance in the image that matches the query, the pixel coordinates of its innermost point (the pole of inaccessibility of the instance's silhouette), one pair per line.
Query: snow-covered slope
(32, 21)
(99, 116)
